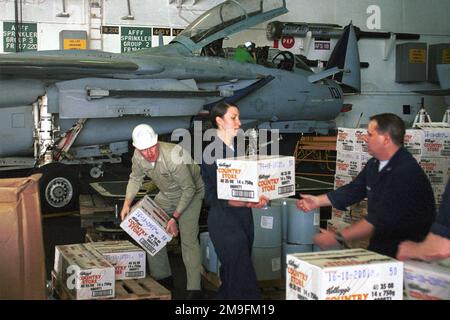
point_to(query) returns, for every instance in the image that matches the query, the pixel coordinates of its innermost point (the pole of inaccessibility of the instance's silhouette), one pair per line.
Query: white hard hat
(144, 137)
(248, 44)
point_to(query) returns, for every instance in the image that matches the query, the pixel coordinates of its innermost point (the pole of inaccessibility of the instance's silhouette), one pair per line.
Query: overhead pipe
(63, 14)
(129, 16)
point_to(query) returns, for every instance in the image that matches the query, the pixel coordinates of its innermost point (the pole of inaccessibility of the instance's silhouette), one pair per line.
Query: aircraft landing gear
(96, 172)
(59, 188)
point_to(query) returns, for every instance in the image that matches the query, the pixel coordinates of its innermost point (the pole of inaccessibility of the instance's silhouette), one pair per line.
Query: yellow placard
(417, 56)
(446, 56)
(74, 44)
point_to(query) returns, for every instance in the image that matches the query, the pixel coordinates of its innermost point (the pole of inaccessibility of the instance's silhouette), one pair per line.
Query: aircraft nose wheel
(59, 188)
(59, 192)
(96, 172)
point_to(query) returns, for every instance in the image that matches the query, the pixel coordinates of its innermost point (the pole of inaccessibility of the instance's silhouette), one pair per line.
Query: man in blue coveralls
(436, 245)
(399, 194)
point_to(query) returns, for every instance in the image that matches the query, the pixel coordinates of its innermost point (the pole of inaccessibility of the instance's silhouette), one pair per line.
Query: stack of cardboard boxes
(89, 271)
(431, 148)
(351, 158)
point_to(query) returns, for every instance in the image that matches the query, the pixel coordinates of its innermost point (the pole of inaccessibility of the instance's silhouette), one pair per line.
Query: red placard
(287, 42)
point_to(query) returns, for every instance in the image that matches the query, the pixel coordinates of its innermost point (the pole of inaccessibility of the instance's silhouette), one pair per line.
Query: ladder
(95, 24)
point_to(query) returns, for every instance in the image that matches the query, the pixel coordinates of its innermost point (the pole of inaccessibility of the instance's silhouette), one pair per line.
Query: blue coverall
(399, 197)
(441, 226)
(231, 230)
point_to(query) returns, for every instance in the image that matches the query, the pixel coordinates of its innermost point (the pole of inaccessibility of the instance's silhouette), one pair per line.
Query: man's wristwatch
(339, 238)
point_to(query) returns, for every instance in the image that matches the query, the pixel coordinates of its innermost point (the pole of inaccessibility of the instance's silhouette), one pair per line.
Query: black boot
(166, 282)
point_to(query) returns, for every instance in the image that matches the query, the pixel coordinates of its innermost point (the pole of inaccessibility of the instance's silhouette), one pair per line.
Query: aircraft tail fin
(345, 56)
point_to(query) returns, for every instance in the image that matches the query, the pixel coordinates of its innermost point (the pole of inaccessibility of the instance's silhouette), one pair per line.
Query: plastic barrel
(302, 226)
(267, 263)
(316, 248)
(289, 248)
(284, 216)
(267, 226)
(209, 256)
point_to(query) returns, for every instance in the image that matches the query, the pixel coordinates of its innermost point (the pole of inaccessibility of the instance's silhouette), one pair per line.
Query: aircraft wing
(437, 92)
(62, 66)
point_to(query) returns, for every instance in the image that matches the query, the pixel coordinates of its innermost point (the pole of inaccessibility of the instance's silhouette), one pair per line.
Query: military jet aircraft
(60, 107)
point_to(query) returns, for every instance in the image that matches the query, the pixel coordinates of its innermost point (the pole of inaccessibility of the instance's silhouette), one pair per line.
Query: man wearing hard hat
(181, 191)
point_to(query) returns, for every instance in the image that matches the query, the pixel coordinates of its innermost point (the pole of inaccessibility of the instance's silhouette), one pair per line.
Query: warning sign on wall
(417, 56)
(27, 40)
(445, 56)
(135, 38)
(287, 42)
(74, 44)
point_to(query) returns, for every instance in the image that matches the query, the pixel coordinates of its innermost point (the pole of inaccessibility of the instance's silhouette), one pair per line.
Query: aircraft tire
(59, 188)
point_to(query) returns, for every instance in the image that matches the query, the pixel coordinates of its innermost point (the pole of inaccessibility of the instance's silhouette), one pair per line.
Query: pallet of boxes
(430, 145)
(351, 158)
(114, 269)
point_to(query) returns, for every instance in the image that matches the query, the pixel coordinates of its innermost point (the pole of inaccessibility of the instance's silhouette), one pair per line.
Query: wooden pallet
(273, 293)
(141, 289)
(270, 289)
(133, 289)
(93, 235)
(92, 203)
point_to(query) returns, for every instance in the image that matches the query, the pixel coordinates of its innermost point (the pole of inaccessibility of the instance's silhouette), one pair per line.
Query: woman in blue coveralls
(230, 222)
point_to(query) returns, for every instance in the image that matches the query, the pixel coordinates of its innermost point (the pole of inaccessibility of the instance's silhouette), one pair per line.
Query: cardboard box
(428, 142)
(341, 180)
(360, 140)
(436, 142)
(347, 216)
(364, 157)
(146, 224)
(338, 224)
(427, 280)
(22, 267)
(359, 210)
(346, 140)
(348, 163)
(438, 191)
(128, 260)
(353, 274)
(435, 168)
(209, 255)
(413, 142)
(247, 178)
(85, 273)
(341, 215)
